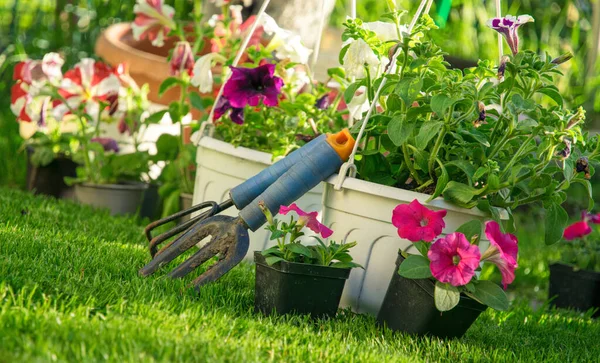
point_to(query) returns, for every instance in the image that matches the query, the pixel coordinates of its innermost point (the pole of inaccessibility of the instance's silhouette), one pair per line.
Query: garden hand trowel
(280, 184)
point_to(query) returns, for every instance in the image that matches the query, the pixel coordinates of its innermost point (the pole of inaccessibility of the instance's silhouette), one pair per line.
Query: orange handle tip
(342, 142)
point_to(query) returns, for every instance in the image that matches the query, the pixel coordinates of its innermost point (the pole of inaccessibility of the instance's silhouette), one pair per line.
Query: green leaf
(299, 249)
(490, 294)
(553, 94)
(446, 296)
(472, 230)
(277, 234)
(440, 104)
(461, 194)
(167, 84)
(156, 117)
(422, 247)
(427, 132)
(441, 183)
(399, 130)
(351, 90)
(556, 221)
(167, 147)
(346, 265)
(415, 267)
(271, 260)
(588, 188)
(408, 89)
(197, 101)
(337, 71)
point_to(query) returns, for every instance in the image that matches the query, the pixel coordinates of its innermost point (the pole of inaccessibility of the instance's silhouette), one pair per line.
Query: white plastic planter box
(222, 166)
(362, 212)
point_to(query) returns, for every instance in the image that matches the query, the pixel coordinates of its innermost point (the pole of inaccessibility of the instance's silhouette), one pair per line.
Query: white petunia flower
(203, 77)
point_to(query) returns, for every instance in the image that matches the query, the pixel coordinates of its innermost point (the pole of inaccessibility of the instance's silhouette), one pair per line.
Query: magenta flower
(577, 230)
(453, 259)
(507, 26)
(248, 86)
(588, 217)
(182, 59)
(417, 223)
(107, 143)
(236, 115)
(307, 219)
(502, 252)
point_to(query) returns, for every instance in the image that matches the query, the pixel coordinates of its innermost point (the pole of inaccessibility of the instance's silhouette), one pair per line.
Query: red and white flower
(31, 77)
(153, 20)
(38, 72)
(182, 59)
(87, 85)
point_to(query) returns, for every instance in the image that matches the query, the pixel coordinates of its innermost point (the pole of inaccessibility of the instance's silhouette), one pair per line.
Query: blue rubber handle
(246, 192)
(308, 172)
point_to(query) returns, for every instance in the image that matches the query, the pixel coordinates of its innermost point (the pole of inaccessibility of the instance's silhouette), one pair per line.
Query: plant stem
(409, 164)
(436, 149)
(517, 155)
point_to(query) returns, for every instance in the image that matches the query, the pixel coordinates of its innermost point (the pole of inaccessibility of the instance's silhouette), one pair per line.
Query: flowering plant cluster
(290, 248)
(487, 137)
(452, 260)
(269, 101)
(67, 111)
(581, 246)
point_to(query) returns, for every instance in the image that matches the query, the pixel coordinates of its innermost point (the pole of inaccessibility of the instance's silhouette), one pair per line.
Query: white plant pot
(222, 166)
(362, 212)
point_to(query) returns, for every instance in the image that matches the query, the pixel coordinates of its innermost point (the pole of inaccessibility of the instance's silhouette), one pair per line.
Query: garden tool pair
(280, 184)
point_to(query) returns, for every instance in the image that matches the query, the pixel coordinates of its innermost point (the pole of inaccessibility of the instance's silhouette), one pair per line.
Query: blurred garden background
(31, 28)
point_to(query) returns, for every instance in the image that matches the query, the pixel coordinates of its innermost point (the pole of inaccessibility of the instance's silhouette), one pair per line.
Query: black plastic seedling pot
(579, 290)
(49, 179)
(298, 288)
(408, 306)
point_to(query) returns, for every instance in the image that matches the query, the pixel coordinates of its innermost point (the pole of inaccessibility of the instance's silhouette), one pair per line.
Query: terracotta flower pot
(147, 63)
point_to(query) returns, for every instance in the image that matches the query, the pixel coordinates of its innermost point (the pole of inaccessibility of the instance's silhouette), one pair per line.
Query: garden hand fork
(280, 184)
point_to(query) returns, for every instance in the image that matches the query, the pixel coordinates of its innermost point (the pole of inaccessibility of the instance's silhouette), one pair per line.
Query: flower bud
(583, 166)
(566, 152)
(266, 211)
(182, 59)
(562, 58)
(502, 67)
(578, 117)
(481, 118)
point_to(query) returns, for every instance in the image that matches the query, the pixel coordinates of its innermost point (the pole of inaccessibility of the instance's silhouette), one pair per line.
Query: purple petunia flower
(507, 26)
(322, 103)
(107, 143)
(247, 86)
(236, 115)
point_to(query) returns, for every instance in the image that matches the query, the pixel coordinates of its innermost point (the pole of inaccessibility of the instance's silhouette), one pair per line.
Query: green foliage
(470, 138)
(290, 248)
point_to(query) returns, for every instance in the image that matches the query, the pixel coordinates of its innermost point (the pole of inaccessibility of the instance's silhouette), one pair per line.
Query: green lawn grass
(69, 291)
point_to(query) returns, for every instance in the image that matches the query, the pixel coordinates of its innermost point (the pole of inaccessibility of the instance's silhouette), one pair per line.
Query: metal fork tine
(154, 242)
(184, 242)
(150, 227)
(233, 257)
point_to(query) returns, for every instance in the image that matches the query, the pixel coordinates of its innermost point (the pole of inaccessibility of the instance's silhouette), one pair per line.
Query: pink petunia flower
(153, 20)
(507, 26)
(453, 259)
(307, 219)
(418, 223)
(88, 84)
(502, 252)
(577, 230)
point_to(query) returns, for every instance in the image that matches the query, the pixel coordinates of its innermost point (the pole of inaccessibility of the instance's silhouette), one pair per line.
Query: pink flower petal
(577, 230)
(308, 219)
(418, 223)
(453, 259)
